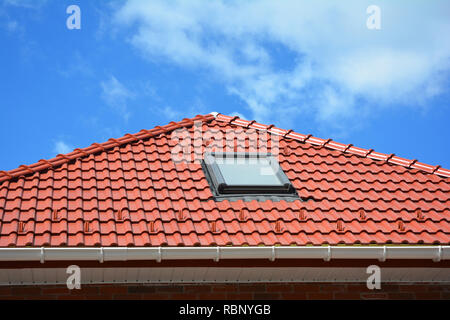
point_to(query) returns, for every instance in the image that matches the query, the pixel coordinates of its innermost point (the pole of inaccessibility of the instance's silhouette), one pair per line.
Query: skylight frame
(221, 188)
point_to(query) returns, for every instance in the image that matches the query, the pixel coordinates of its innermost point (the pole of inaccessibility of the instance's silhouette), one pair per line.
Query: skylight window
(246, 173)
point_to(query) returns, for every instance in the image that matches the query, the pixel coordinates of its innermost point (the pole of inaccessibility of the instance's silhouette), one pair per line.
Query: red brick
(13, 298)
(320, 296)
(69, 297)
(332, 288)
(437, 288)
(197, 289)
(279, 288)
(401, 295)
(412, 288)
(374, 296)
(356, 287)
(390, 287)
(225, 288)
(239, 296)
(346, 296)
(169, 289)
(428, 295)
(113, 289)
(100, 297)
(141, 289)
(306, 287)
(445, 295)
(182, 296)
(252, 288)
(5, 291)
(266, 296)
(155, 296)
(26, 290)
(127, 297)
(212, 296)
(228, 291)
(367, 291)
(294, 296)
(84, 291)
(40, 297)
(55, 291)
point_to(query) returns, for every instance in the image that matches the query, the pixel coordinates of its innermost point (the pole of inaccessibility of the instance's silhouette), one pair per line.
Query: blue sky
(311, 66)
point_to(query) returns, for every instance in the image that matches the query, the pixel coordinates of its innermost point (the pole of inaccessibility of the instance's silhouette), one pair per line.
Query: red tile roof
(129, 192)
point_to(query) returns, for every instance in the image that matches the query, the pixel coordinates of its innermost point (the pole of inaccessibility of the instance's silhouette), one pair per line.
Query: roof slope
(129, 192)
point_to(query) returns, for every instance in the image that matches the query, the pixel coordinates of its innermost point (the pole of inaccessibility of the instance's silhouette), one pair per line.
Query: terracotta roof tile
(129, 192)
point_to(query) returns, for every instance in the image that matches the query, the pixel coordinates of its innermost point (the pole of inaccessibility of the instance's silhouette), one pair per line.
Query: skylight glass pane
(247, 171)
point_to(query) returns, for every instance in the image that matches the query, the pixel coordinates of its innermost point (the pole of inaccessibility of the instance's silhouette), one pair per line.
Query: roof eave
(327, 253)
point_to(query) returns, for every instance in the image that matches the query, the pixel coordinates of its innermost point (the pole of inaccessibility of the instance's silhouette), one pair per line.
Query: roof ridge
(329, 143)
(97, 147)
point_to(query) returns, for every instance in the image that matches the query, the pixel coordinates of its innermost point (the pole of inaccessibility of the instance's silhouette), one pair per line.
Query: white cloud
(171, 113)
(334, 61)
(61, 147)
(116, 95)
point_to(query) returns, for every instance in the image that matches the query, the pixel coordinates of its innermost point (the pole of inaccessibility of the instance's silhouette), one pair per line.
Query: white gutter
(101, 254)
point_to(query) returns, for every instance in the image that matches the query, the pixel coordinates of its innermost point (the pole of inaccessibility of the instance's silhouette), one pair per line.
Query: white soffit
(51, 276)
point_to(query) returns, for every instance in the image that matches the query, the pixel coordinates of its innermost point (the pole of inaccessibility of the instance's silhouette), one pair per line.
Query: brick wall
(231, 291)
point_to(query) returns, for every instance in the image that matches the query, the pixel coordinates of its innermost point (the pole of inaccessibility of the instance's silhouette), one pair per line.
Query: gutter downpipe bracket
(327, 258)
(384, 255)
(42, 255)
(159, 258)
(439, 255)
(217, 257)
(273, 256)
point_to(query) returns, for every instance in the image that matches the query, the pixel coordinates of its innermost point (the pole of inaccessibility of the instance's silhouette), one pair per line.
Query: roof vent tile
(120, 215)
(278, 227)
(55, 215)
(362, 215)
(419, 214)
(21, 227)
(213, 227)
(401, 226)
(180, 215)
(152, 227)
(87, 227)
(302, 215)
(340, 226)
(242, 217)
